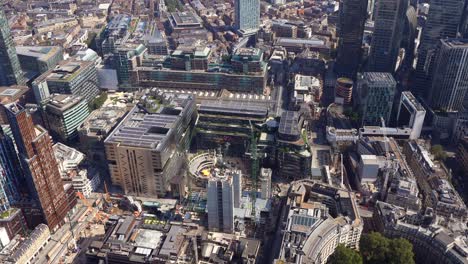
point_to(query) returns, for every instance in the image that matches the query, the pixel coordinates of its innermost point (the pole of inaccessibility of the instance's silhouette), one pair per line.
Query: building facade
(39, 59)
(144, 152)
(442, 22)
(375, 95)
(47, 200)
(247, 16)
(9, 64)
(411, 114)
(352, 18)
(450, 75)
(388, 32)
(64, 114)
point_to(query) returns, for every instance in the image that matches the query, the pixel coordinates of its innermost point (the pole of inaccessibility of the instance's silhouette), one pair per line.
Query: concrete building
(39, 59)
(155, 134)
(69, 77)
(247, 16)
(411, 114)
(319, 218)
(95, 129)
(9, 64)
(180, 21)
(283, 29)
(265, 183)
(433, 240)
(64, 113)
(374, 97)
(47, 201)
(369, 167)
(388, 32)
(69, 161)
(450, 75)
(433, 179)
(248, 61)
(224, 194)
(28, 249)
(307, 89)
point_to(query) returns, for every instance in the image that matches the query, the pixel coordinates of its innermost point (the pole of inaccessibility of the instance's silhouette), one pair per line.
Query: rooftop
(40, 52)
(63, 102)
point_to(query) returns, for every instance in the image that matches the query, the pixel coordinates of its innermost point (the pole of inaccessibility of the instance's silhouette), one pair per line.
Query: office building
(95, 129)
(45, 188)
(410, 114)
(69, 77)
(126, 59)
(248, 60)
(450, 75)
(462, 154)
(64, 113)
(155, 133)
(247, 16)
(9, 64)
(320, 217)
(434, 240)
(343, 91)
(388, 32)
(442, 22)
(156, 41)
(27, 250)
(352, 18)
(224, 194)
(283, 29)
(213, 117)
(180, 21)
(13, 222)
(39, 59)
(11, 172)
(189, 58)
(375, 94)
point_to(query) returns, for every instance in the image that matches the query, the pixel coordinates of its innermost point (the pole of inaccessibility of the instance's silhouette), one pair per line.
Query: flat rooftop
(40, 52)
(185, 18)
(233, 108)
(62, 102)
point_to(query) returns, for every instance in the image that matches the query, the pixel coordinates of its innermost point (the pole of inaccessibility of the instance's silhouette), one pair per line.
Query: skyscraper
(442, 22)
(11, 176)
(9, 63)
(388, 32)
(45, 187)
(222, 197)
(375, 94)
(353, 14)
(450, 75)
(247, 16)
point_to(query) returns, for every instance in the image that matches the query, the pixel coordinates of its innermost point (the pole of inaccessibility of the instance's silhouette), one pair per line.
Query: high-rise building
(388, 31)
(11, 174)
(343, 91)
(442, 22)
(126, 58)
(353, 14)
(450, 75)
(375, 94)
(64, 113)
(144, 151)
(265, 183)
(410, 114)
(224, 195)
(10, 67)
(45, 187)
(247, 16)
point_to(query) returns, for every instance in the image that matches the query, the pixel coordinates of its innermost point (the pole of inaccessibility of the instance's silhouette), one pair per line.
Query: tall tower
(247, 16)
(220, 205)
(45, 186)
(11, 175)
(353, 14)
(10, 68)
(442, 22)
(450, 75)
(388, 32)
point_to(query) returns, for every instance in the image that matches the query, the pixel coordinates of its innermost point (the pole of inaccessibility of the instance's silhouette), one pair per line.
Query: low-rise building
(320, 217)
(39, 59)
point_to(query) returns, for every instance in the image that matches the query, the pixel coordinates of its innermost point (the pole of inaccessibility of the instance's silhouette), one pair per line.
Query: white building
(411, 114)
(265, 183)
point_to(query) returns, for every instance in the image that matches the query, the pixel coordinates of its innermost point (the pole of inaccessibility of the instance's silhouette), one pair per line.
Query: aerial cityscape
(234, 131)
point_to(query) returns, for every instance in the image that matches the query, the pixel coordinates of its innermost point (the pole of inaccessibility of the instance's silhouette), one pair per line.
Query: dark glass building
(9, 63)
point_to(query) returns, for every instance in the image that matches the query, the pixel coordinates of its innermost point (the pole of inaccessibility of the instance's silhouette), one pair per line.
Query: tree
(401, 252)
(344, 255)
(438, 152)
(375, 248)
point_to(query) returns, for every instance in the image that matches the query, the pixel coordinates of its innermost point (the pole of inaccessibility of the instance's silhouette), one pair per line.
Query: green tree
(401, 252)
(344, 255)
(438, 152)
(375, 248)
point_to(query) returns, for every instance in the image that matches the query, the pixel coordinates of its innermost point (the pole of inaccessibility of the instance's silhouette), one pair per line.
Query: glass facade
(9, 63)
(247, 15)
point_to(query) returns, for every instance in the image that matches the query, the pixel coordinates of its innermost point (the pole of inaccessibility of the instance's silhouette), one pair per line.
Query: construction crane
(254, 167)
